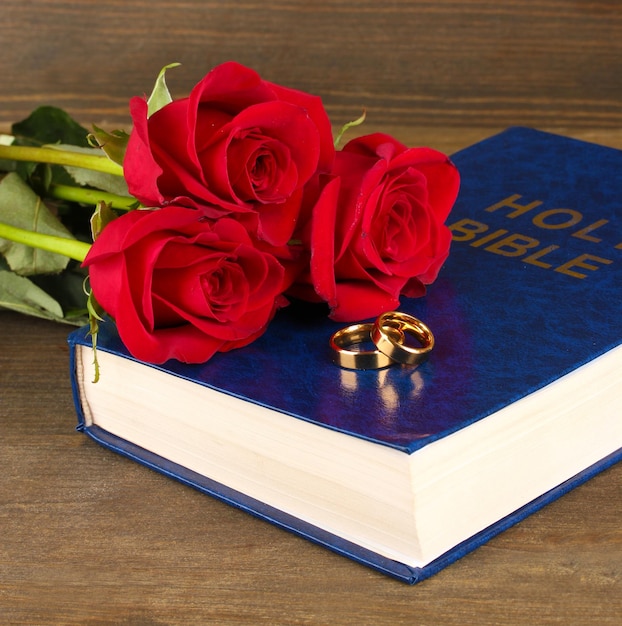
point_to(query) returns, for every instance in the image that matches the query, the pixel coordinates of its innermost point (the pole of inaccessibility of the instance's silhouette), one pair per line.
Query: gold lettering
(468, 228)
(534, 259)
(513, 245)
(583, 233)
(581, 261)
(510, 203)
(575, 218)
(489, 237)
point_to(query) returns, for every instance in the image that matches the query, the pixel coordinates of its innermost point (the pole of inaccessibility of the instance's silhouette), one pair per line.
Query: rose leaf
(113, 144)
(48, 124)
(22, 208)
(160, 95)
(101, 217)
(68, 289)
(17, 293)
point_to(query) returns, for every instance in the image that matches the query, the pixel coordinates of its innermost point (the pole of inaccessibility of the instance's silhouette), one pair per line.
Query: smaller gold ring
(359, 359)
(382, 336)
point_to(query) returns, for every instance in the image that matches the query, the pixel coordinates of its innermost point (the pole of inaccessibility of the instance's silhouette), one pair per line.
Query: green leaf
(59, 297)
(346, 127)
(46, 125)
(114, 144)
(160, 95)
(67, 288)
(49, 124)
(22, 208)
(101, 217)
(111, 183)
(20, 294)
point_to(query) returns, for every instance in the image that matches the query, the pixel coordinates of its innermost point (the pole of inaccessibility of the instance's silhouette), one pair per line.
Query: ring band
(396, 350)
(360, 359)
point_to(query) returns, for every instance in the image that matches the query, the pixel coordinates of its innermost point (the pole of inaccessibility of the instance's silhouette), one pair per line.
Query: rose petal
(288, 124)
(139, 167)
(230, 87)
(322, 264)
(360, 300)
(314, 107)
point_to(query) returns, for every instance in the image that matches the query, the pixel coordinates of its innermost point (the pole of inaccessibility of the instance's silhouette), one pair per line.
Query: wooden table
(91, 538)
(87, 537)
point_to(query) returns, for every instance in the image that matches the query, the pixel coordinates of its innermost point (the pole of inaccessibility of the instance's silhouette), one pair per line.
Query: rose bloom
(377, 230)
(238, 144)
(180, 286)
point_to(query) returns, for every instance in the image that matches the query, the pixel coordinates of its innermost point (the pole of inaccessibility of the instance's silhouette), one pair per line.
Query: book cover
(531, 292)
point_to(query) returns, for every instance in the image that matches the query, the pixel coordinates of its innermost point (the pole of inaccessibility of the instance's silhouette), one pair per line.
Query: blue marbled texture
(503, 327)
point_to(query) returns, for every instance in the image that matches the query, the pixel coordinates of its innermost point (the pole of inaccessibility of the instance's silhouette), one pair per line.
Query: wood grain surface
(90, 538)
(443, 63)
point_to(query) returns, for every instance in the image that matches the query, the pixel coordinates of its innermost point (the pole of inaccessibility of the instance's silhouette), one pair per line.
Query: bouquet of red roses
(237, 201)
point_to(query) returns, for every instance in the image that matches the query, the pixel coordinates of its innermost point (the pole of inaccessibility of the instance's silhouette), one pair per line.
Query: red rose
(179, 286)
(237, 144)
(377, 230)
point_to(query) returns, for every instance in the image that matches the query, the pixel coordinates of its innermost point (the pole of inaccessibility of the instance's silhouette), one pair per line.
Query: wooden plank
(553, 63)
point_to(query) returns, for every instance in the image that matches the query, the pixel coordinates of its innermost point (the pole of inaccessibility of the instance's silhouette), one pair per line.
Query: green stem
(91, 196)
(72, 248)
(61, 157)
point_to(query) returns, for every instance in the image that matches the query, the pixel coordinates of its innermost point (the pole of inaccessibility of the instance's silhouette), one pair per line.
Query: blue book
(407, 469)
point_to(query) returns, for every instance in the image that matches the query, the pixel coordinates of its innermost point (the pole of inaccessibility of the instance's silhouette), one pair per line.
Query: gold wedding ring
(355, 334)
(383, 335)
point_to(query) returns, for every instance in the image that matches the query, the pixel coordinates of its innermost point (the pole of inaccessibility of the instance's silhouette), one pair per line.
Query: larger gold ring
(383, 333)
(360, 359)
